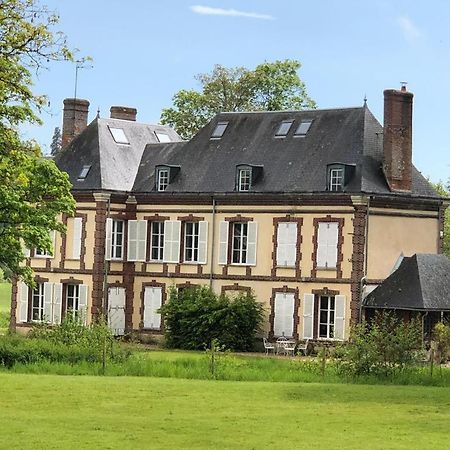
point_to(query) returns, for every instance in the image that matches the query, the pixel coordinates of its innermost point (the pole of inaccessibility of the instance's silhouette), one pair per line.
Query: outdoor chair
(268, 346)
(303, 347)
(289, 347)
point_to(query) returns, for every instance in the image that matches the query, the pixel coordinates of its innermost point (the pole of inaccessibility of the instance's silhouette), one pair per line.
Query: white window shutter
(172, 232)
(287, 244)
(281, 247)
(57, 302)
(83, 302)
(284, 314)
(339, 317)
(132, 240)
(202, 241)
(322, 244)
(141, 240)
(278, 311)
(23, 302)
(252, 238)
(308, 316)
(76, 246)
(332, 243)
(48, 302)
(223, 242)
(152, 303)
(108, 243)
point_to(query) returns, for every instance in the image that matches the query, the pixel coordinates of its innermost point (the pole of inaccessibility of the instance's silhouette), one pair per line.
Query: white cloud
(207, 10)
(410, 31)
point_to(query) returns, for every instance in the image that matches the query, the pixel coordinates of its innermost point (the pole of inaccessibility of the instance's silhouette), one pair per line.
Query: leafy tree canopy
(444, 190)
(33, 192)
(271, 86)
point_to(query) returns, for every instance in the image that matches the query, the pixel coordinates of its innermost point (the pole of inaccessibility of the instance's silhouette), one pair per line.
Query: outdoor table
(285, 346)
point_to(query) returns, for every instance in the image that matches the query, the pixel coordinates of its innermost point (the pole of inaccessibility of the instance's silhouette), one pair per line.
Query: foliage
(444, 191)
(33, 192)
(269, 87)
(383, 347)
(441, 336)
(55, 145)
(196, 316)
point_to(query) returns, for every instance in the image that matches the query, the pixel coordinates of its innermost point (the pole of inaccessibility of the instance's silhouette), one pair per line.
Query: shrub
(383, 347)
(441, 336)
(195, 317)
(4, 319)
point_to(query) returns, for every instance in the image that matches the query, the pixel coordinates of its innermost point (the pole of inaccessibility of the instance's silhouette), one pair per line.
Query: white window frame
(241, 250)
(163, 179)
(159, 234)
(193, 246)
(37, 294)
(117, 240)
(331, 316)
(244, 179)
(336, 179)
(74, 296)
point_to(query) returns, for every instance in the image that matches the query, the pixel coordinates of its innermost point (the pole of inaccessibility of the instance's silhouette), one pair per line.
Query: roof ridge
(292, 110)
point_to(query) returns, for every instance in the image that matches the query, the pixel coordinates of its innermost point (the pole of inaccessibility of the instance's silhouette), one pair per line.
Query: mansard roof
(421, 282)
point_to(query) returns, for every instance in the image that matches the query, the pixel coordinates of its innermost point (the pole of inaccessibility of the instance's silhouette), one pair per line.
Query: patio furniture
(303, 347)
(268, 346)
(289, 348)
(285, 346)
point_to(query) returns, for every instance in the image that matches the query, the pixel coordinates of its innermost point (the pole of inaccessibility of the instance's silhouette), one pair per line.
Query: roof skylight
(219, 130)
(162, 137)
(284, 128)
(119, 135)
(303, 128)
(84, 172)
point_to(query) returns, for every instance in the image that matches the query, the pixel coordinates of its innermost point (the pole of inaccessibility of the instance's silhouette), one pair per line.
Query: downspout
(366, 247)
(106, 270)
(423, 328)
(211, 268)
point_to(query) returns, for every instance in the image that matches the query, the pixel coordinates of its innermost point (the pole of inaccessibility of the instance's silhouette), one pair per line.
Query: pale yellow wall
(391, 236)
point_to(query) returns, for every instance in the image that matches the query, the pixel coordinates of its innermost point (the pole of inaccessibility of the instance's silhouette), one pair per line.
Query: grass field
(94, 412)
(5, 296)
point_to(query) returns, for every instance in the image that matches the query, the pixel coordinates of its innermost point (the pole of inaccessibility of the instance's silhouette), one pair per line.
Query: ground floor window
(326, 316)
(37, 313)
(72, 300)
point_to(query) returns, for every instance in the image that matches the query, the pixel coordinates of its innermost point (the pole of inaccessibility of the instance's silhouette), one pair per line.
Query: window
(84, 173)
(137, 240)
(119, 135)
(72, 300)
(152, 303)
(327, 245)
(37, 311)
(284, 128)
(114, 237)
(157, 241)
(303, 128)
(326, 317)
(283, 314)
(237, 242)
(163, 179)
(244, 180)
(286, 244)
(191, 241)
(162, 137)
(336, 179)
(39, 253)
(219, 130)
(239, 250)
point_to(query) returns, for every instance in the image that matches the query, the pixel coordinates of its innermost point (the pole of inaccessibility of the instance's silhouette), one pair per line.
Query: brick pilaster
(129, 271)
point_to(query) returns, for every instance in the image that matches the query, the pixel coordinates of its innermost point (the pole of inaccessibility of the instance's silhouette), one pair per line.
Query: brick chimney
(123, 112)
(397, 139)
(75, 118)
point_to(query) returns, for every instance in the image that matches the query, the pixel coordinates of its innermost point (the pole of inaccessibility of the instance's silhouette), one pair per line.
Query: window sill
(284, 267)
(330, 269)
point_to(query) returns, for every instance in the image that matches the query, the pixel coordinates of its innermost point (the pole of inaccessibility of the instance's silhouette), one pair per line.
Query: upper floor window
(339, 175)
(40, 253)
(284, 128)
(303, 128)
(336, 179)
(219, 130)
(157, 241)
(119, 135)
(287, 244)
(84, 173)
(191, 241)
(244, 179)
(327, 244)
(237, 242)
(163, 179)
(114, 238)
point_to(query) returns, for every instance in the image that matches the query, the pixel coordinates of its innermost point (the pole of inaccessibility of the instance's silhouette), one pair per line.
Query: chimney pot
(397, 139)
(75, 116)
(123, 112)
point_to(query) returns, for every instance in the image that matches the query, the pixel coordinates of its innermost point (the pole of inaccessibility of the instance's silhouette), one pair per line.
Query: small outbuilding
(419, 286)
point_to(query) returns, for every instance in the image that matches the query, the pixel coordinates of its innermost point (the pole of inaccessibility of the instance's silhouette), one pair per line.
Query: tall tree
(271, 86)
(55, 145)
(444, 191)
(33, 192)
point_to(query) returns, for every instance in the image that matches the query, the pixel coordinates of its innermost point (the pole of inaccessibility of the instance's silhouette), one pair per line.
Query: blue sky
(145, 51)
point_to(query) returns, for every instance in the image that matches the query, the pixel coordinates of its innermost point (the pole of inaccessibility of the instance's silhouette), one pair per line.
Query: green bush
(441, 336)
(4, 319)
(384, 347)
(195, 317)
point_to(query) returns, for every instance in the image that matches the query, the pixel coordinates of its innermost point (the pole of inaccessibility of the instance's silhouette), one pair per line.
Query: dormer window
(303, 128)
(164, 176)
(284, 128)
(338, 176)
(219, 130)
(246, 176)
(119, 135)
(162, 137)
(84, 173)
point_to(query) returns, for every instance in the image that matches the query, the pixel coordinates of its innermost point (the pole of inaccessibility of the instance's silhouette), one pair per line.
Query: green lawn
(55, 412)
(5, 296)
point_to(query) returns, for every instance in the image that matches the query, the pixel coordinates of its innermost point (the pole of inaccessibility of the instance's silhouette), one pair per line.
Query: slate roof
(113, 166)
(421, 282)
(292, 164)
